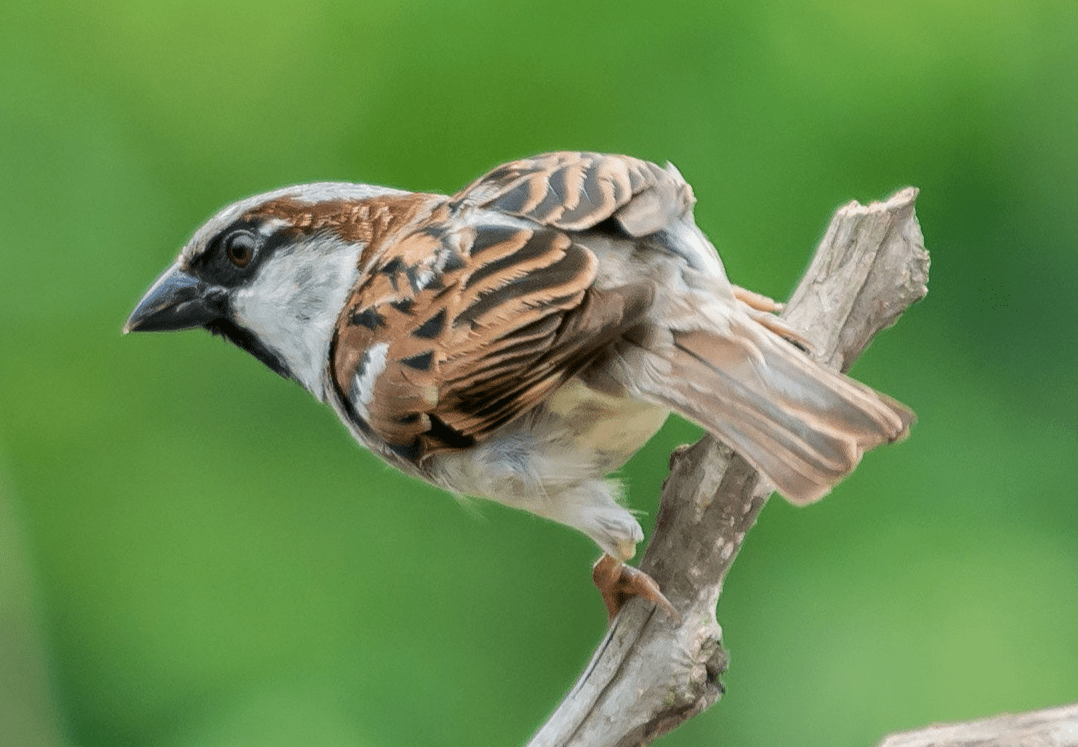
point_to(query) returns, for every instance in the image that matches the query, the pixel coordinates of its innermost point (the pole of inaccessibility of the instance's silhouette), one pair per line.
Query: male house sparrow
(520, 340)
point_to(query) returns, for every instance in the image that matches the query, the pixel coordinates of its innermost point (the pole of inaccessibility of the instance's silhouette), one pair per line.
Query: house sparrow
(520, 340)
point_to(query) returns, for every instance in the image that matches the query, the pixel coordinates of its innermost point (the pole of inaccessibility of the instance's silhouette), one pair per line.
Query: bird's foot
(618, 582)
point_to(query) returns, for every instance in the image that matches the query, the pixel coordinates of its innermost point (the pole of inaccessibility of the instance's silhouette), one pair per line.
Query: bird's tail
(802, 426)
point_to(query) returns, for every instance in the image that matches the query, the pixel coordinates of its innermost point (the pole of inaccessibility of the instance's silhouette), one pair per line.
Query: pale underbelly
(612, 428)
(577, 436)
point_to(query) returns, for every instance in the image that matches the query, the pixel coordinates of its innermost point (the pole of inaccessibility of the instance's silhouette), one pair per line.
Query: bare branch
(1052, 727)
(649, 675)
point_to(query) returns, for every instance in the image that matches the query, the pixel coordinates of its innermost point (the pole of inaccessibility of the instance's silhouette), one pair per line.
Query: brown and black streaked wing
(577, 191)
(458, 330)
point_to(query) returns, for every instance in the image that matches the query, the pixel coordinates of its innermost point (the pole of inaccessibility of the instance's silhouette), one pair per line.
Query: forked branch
(650, 674)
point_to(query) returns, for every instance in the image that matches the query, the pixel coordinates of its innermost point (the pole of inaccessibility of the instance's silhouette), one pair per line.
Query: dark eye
(240, 247)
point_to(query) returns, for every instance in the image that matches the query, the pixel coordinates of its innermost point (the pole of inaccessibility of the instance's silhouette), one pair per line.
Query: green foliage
(215, 563)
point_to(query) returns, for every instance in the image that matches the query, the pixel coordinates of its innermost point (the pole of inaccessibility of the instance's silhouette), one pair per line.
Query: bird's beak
(178, 300)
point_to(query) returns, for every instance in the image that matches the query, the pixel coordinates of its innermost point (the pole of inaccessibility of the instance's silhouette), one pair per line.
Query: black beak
(178, 300)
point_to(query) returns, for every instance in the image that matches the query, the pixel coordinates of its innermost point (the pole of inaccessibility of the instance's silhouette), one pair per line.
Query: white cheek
(292, 306)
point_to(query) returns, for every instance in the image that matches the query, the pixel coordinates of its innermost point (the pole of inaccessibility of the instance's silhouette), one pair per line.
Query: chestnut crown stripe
(361, 221)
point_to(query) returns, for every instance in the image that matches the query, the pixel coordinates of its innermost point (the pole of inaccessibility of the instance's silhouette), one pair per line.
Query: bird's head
(272, 273)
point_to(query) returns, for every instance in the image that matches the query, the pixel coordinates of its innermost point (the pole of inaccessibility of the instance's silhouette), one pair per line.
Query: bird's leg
(617, 582)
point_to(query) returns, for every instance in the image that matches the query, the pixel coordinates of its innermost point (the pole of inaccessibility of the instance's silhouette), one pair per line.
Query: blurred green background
(193, 553)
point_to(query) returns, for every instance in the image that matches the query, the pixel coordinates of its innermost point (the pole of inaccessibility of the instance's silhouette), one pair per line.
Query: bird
(521, 339)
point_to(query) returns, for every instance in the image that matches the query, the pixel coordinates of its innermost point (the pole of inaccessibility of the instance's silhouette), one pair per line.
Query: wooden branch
(650, 674)
(1052, 727)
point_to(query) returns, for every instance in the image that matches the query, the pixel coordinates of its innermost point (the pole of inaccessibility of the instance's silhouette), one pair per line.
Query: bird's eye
(240, 247)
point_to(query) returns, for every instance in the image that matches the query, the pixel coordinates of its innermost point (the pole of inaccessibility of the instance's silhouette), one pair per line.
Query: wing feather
(473, 326)
(577, 191)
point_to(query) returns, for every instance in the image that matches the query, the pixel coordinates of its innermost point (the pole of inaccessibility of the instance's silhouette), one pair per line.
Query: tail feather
(804, 427)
